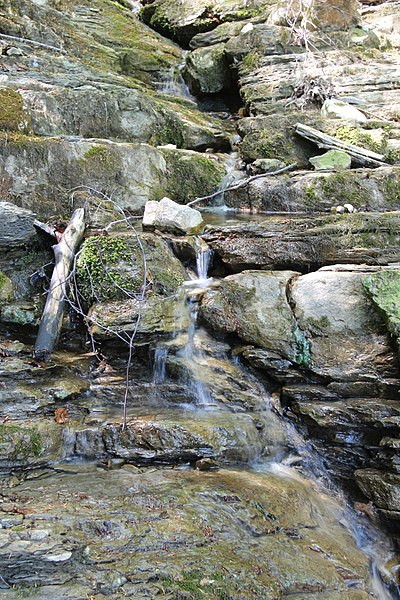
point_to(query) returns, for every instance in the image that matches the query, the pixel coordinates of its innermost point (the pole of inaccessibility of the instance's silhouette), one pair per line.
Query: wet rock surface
(93, 98)
(123, 531)
(302, 243)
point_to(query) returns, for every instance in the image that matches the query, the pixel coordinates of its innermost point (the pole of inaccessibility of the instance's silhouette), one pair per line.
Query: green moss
(358, 137)
(99, 158)
(384, 290)
(392, 190)
(108, 268)
(311, 195)
(250, 62)
(267, 143)
(13, 117)
(191, 176)
(343, 188)
(302, 348)
(192, 585)
(25, 443)
(3, 279)
(393, 156)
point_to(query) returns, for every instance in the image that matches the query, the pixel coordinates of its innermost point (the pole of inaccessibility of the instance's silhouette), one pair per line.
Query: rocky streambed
(259, 453)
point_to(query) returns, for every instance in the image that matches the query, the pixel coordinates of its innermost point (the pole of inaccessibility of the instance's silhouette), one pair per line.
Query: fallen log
(360, 156)
(64, 252)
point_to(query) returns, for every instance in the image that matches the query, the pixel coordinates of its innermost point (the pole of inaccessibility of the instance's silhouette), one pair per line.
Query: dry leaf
(61, 416)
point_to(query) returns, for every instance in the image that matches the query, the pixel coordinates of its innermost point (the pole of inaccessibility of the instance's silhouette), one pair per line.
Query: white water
(233, 175)
(160, 364)
(136, 6)
(173, 83)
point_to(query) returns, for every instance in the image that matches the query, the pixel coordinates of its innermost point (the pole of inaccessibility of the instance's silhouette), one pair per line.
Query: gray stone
(336, 109)
(207, 70)
(381, 487)
(16, 225)
(254, 305)
(347, 337)
(167, 215)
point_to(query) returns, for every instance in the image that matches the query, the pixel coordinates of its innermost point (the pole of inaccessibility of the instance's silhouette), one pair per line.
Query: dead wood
(360, 156)
(64, 252)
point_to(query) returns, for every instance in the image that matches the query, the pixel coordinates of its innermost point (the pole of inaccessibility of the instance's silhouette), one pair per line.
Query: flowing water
(173, 83)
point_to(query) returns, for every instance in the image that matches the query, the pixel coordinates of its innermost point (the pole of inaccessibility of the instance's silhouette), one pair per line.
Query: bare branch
(242, 184)
(30, 42)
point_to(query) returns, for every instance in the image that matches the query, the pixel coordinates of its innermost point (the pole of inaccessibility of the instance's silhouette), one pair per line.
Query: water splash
(136, 6)
(233, 175)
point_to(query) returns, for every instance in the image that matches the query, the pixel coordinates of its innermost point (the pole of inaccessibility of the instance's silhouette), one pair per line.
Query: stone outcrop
(137, 172)
(303, 243)
(16, 225)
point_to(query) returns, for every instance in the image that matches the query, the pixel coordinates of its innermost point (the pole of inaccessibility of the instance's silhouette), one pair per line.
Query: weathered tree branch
(64, 252)
(242, 183)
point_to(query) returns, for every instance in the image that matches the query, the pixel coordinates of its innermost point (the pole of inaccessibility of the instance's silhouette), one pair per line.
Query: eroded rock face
(253, 304)
(16, 225)
(302, 243)
(370, 189)
(137, 171)
(208, 519)
(347, 340)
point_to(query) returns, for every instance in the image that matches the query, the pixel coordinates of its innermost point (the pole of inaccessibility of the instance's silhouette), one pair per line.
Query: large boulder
(348, 340)
(133, 173)
(207, 70)
(254, 305)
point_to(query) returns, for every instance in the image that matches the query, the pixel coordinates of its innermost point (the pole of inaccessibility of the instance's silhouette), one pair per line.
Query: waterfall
(160, 364)
(203, 259)
(173, 83)
(233, 175)
(187, 308)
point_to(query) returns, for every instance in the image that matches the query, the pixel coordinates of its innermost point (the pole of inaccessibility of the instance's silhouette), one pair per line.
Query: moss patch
(6, 288)
(191, 176)
(108, 267)
(358, 137)
(384, 290)
(99, 158)
(13, 117)
(20, 444)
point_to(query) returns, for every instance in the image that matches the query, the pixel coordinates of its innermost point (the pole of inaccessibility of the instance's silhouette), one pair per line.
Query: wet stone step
(144, 533)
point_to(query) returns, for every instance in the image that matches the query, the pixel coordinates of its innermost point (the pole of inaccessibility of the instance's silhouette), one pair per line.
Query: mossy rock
(190, 176)
(12, 114)
(112, 268)
(384, 291)
(6, 288)
(20, 444)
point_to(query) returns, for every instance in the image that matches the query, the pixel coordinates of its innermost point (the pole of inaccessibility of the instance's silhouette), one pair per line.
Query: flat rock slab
(300, 243)
(147, 533)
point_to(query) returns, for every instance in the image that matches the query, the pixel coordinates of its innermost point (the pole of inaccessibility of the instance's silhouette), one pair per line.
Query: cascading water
(173, 83)
(160, 364)
(136, 6)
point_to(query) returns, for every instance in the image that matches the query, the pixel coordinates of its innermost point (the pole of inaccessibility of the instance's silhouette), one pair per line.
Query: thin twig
(30, 42)
(242, 184)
